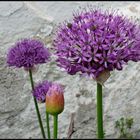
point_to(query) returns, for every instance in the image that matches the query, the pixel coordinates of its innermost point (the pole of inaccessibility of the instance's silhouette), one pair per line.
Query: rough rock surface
(17, 113)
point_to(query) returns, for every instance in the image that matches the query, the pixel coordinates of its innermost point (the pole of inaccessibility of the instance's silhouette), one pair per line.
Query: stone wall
(17, 113)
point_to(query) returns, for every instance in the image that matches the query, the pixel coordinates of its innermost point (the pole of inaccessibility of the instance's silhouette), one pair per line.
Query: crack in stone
(38, 12)
(12, 13)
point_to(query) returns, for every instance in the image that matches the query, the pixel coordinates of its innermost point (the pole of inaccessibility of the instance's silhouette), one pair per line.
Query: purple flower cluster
(95, 41)
(41, 90)
(27, 53)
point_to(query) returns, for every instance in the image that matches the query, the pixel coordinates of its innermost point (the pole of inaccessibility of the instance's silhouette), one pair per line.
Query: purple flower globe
(41, 90)
(95, 41)
(27, 53)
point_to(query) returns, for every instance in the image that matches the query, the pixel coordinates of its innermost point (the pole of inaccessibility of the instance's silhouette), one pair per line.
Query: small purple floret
(41, 90)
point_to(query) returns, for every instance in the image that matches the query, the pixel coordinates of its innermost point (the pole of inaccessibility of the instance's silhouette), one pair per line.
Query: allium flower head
(41, 90)
(27, 53)
(55, 99)
(95, 41)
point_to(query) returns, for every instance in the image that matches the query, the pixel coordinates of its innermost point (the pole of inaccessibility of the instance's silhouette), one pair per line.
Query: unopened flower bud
(55, 99)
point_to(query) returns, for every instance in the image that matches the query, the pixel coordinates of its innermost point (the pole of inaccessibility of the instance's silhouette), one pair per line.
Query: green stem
(55, 126)
(36, 105)
(48, 126)
(99, 112)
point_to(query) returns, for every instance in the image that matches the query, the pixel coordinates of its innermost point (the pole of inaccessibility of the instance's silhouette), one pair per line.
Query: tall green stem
(100, 133)
(48, 125)
(55, 126)
(36, 106)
